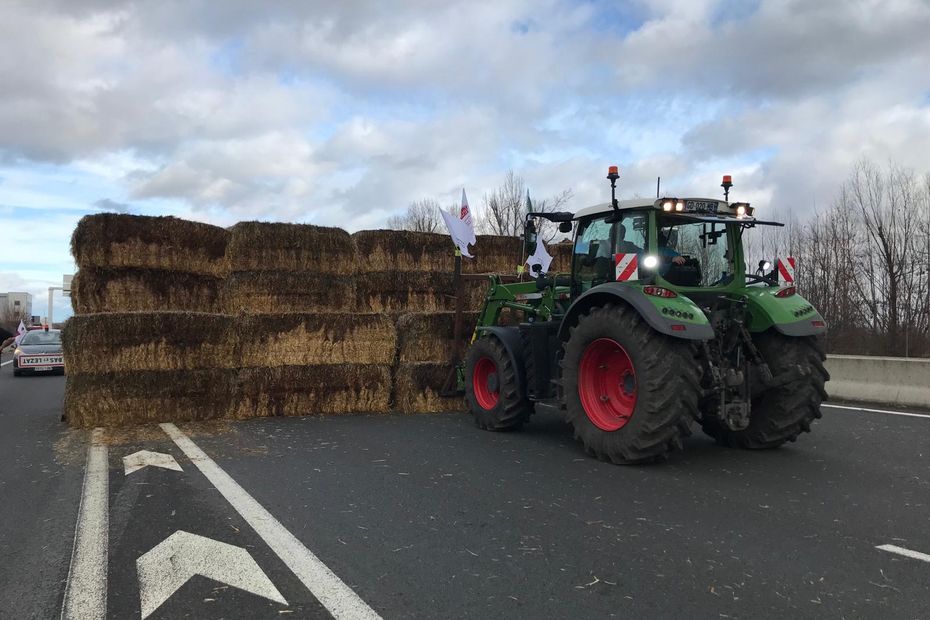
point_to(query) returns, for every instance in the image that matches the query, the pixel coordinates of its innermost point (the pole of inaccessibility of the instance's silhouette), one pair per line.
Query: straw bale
(296, 339)
(428, 336)
(257, 246)
(269, 292)
(113, 240)
(144, 290)
(115, 342)
(417, 386)
(561, 257)
(403, 291)
(403, 250)
(313, 390)
(494, 254)
(123, 398)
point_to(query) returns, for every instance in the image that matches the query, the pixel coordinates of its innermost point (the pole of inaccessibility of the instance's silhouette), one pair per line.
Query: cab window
(598, 242)
(694, 253)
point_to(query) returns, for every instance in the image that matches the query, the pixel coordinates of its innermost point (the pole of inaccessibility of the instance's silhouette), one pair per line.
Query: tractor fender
(509, 337)
(613, 292)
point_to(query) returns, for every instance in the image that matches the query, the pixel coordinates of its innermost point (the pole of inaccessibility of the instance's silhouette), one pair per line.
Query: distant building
(16, 305)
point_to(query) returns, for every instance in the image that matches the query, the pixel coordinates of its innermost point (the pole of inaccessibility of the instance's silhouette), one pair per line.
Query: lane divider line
(338, 598)
(916, 555)
(6, 362)
(86, 589)
(902, 413)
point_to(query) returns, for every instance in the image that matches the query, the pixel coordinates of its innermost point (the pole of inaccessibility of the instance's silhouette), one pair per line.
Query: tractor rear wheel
(491, 387)
(628, 391)
(783, 412)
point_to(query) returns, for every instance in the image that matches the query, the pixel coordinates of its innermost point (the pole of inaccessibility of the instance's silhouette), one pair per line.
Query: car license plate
(41, 362)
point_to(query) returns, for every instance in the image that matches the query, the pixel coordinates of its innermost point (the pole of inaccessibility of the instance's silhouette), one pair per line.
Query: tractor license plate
(701, 206)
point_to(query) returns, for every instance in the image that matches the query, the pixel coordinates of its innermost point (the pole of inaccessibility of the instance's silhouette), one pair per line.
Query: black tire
(17, 372)
(666, 386)
(784, 412)
(511, 408)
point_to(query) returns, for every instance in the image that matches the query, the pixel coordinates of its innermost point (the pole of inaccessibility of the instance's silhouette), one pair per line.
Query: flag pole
(450, 388)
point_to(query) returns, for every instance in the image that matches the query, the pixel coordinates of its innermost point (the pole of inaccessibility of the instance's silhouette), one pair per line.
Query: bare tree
(505, 208)
(421, 216)
(10, 317)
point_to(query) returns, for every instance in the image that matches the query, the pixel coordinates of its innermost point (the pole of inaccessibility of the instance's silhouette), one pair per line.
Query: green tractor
(657, 325)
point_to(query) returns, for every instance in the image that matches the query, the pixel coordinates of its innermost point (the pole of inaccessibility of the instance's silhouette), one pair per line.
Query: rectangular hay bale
(415, 291)
(114, 240)
(258, 246)
(313, 390)
(134, 341)
(428, 336)
(403, 250)
(96, 289)
(271, 292)
(417, 388)
(296, 339)
(125, 398)
(494, 254)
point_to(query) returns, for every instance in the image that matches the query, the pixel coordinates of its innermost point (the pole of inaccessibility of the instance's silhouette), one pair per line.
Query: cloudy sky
(341, 113)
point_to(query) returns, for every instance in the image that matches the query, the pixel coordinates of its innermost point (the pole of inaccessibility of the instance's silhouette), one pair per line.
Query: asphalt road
(426, 517)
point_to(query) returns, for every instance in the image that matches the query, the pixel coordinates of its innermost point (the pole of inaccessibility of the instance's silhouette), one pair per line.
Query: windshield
(694, 253)
(41, 337)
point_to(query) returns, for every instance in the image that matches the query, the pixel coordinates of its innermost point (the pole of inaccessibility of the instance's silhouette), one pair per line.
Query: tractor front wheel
(628, 391)
(491, 387)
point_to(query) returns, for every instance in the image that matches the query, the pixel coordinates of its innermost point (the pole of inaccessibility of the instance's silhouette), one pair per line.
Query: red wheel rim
(607, 384)
(485, 383)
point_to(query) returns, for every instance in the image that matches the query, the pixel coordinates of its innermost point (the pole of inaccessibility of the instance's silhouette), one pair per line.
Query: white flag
(540, 257)
(459, 232)
(461, 227)
(465, 216)
(20, 332)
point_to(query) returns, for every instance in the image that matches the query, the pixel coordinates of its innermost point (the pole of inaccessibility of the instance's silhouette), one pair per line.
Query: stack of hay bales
(288, 268)
(307, 347)
(424, 346)
(315, 363)
(140, 263)
(147, 341)
(178, 320)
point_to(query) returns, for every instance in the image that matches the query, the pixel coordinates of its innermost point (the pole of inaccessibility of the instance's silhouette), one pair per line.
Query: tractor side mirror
(529, 238)
(565, 227)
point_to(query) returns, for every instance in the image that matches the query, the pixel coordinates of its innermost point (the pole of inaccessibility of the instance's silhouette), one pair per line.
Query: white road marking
(6, 362)
(338, 598)
(917, 555)
(86, 590)
(173, 561)
(144, 458)
(903, 413)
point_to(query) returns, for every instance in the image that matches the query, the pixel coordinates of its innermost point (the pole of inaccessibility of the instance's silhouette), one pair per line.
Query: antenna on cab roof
(658, 183)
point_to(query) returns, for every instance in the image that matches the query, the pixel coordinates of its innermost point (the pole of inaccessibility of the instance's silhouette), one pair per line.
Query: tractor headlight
(740, 211)
(667, 205)
(650, 262)
(680, 205)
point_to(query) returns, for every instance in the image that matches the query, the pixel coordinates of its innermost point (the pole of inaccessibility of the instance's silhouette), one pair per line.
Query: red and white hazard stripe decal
(786, 269)
(627, 267)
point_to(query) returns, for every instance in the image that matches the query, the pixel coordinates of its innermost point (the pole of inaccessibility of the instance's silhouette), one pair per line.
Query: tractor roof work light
(680, 206)
(667, 205)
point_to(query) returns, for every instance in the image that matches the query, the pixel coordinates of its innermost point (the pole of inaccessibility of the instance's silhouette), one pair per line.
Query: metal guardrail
(891, 380)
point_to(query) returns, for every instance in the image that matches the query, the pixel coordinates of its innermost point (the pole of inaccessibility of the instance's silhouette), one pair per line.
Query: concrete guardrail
(890, 380)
